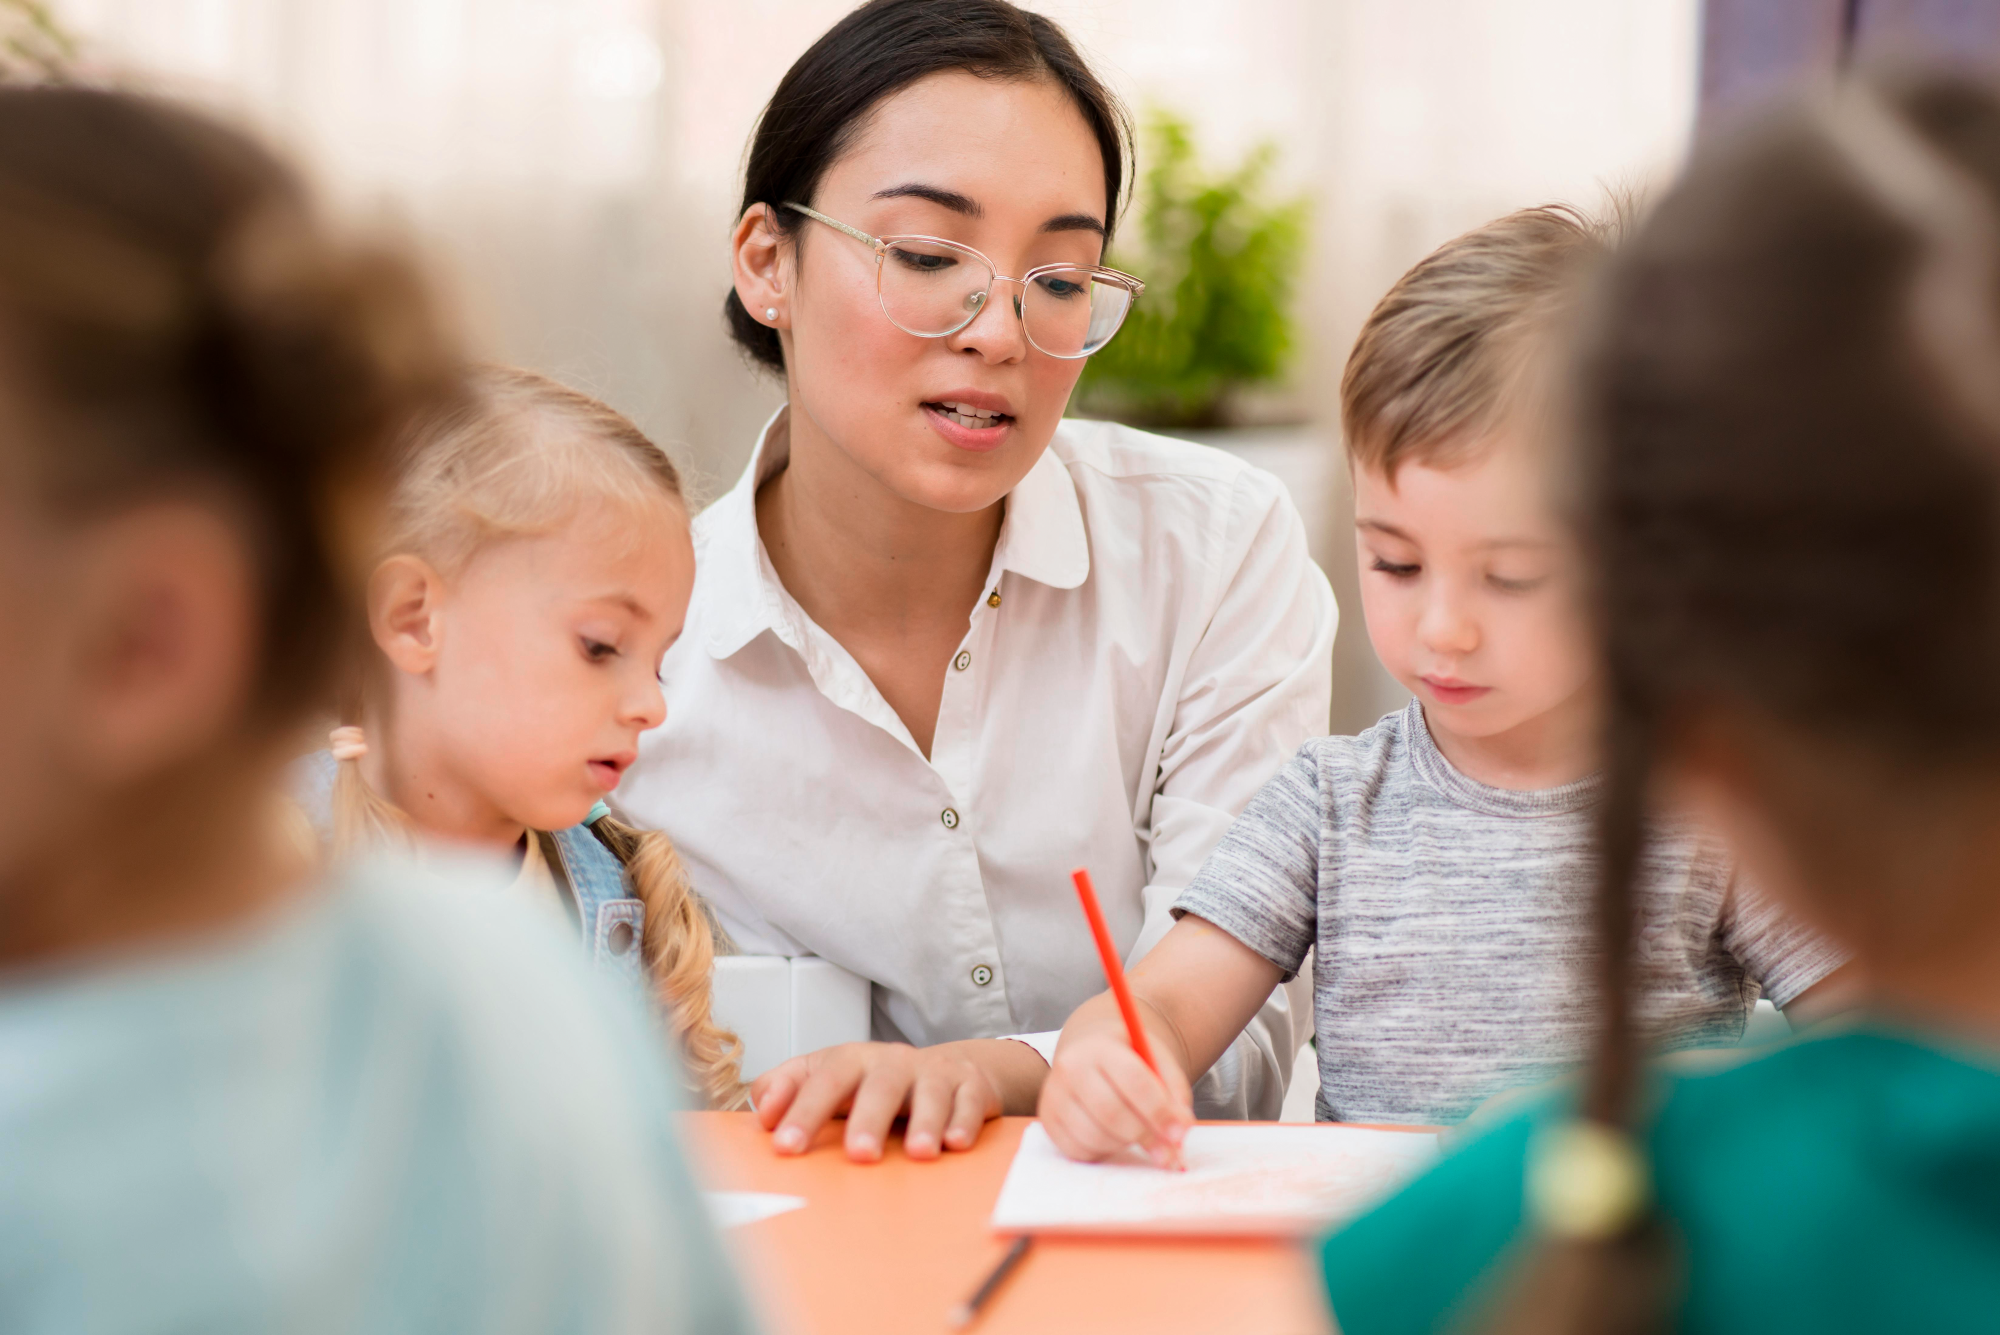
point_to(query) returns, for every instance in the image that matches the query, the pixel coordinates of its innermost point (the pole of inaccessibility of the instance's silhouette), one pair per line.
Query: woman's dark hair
(1789, 410)
(173, 318)
(879, 49)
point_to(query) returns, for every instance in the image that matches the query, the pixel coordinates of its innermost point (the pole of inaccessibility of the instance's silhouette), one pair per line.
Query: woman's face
(1009, 168)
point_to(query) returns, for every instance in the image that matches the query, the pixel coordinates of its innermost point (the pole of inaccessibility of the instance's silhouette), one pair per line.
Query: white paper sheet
(1260, 1179)
(730, 1209)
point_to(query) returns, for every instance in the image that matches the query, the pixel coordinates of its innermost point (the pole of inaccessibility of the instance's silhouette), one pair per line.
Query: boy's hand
(1195, 990)
(1101, 1097)
(948, 1092)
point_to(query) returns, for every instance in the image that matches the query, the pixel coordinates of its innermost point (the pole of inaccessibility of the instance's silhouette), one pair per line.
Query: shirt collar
(1042, 538)
(744, 600)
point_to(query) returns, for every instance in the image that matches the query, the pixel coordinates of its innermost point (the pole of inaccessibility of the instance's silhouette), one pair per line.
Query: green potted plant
(32, 45)
(1220, 262)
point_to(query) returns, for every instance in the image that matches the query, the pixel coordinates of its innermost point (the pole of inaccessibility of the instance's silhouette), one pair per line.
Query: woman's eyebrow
(1074, 222)
(938, 195)
(965, 204)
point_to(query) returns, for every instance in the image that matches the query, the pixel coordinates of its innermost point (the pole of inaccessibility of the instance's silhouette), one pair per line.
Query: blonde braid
(362, 818)
(680, 949)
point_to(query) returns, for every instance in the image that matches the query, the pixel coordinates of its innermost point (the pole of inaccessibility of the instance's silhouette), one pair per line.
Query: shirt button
(981, 975)
(963, 661)
(993, 598)
(949, 817)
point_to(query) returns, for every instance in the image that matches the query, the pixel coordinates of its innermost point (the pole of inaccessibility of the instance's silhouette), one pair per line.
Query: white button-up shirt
(1152, 643)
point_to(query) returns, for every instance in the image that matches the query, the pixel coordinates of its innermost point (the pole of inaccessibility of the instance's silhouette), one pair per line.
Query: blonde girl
(537, 564)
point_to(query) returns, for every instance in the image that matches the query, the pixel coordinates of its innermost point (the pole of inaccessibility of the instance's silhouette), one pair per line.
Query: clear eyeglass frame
(975, 303)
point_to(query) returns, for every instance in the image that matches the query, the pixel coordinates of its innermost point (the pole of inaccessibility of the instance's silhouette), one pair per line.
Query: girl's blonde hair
(513, 456)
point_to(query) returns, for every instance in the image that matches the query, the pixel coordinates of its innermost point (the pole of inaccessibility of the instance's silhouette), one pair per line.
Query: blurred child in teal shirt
(236, 1096)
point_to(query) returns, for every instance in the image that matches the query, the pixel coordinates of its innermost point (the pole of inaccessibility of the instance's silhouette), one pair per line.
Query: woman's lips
(1453, 692)
(977, 439)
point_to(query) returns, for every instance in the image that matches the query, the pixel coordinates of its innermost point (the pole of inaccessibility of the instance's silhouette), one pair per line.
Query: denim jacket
(596, 887)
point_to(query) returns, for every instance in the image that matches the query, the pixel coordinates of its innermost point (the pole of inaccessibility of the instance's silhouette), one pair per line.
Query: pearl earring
(771, 313)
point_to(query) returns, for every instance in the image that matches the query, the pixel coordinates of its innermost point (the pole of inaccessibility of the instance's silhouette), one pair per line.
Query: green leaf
(1221, 264)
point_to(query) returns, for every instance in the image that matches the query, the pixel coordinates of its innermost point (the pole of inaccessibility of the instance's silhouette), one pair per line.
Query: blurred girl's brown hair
(1790, 419)
(174, 316)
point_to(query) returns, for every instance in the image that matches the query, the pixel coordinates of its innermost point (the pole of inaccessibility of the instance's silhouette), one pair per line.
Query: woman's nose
(996, 333)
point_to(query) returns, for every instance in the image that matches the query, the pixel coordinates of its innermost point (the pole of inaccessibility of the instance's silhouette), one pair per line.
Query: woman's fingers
(930, 1105)
(772, 1092)
(829, 1085)
(884, 1092)
(948, 1098)
(972, 1104)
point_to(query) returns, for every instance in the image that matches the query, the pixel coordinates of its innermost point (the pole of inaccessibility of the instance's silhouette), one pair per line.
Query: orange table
(894, 1246)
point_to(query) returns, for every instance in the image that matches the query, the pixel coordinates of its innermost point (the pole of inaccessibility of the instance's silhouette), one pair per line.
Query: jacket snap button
(963, 661)
(981, 975)
(619, 939)
(949, 817)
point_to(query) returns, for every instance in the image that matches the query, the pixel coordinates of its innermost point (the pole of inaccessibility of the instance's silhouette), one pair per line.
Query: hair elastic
(347, 743)
(598, 811)
(1585, 1180)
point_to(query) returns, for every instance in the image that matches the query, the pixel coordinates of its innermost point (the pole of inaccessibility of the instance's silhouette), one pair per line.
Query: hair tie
(347, 743)
(1586, 1180)
(598, 811)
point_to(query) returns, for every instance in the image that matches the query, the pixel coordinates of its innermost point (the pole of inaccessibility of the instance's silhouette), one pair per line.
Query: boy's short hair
(1433, 366)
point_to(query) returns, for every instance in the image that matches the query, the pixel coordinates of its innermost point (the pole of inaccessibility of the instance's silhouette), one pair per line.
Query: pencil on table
(967, 1312)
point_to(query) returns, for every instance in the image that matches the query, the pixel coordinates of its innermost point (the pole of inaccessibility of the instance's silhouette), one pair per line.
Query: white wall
(573, 162)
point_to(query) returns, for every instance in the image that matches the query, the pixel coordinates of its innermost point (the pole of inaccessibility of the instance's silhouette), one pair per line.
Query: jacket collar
(1042, 538)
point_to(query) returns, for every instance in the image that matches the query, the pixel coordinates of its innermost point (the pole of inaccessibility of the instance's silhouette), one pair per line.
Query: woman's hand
(1100, 1097)
(948, 1092)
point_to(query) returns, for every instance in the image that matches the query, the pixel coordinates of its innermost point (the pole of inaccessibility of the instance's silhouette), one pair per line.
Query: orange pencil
(1114, 974)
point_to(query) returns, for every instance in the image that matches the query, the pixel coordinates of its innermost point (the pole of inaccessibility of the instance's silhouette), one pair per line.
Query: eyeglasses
(933, 288)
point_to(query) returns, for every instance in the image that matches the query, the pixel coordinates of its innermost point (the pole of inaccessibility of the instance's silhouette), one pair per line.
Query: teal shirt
(391, 1106)
(1844, 1183)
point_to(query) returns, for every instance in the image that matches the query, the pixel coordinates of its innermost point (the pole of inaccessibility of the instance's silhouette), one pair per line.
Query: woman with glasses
(945, 646)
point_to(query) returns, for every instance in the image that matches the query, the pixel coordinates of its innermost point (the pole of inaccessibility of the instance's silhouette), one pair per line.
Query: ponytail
(679, 942)
(1601, 1263)
(678, 939)
(362, 817)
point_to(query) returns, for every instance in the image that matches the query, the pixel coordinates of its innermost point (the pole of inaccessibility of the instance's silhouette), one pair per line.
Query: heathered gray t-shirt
(1453, 925)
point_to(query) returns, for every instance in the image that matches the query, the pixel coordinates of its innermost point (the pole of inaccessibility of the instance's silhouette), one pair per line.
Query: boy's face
(1470, 587)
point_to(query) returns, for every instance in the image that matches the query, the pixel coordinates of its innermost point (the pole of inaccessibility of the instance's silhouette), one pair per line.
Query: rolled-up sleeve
(1783, 955)
(1261, 885)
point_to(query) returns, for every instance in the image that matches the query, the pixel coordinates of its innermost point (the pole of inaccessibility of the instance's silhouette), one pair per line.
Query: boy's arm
(1257, 686)
(1195, 992)
(1836, 994)
(1803, 974)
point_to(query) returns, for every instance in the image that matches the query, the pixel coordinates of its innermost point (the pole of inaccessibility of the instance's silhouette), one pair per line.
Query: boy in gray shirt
(1440, 863)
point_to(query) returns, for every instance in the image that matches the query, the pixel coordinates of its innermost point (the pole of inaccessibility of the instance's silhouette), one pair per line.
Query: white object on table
(1261, 1179)
(732, 1209)
(783, 1006)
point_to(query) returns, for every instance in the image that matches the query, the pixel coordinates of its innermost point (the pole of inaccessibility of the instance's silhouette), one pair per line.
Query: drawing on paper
(1264, 1179)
